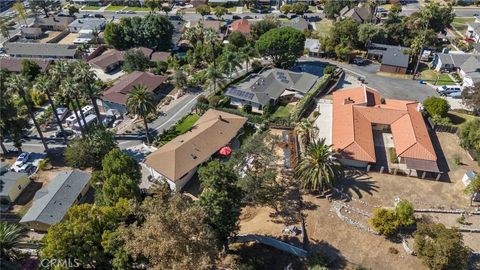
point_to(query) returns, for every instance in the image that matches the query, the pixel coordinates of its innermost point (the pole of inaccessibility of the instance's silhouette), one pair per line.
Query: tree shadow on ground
(357, 182)
(335, 258)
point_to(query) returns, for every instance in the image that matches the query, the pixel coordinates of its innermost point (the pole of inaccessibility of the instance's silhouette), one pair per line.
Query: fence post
(368, 167)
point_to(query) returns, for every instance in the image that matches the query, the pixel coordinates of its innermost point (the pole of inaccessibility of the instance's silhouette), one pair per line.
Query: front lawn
(324, 26)
(114, 8)
(458, 118)
(91, 8)
(460, 23)
(283, 111)
(180, 128)
(431, 76)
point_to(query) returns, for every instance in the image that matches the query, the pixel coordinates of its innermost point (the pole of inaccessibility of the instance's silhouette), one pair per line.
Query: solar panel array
(240, 94)
(281, 76)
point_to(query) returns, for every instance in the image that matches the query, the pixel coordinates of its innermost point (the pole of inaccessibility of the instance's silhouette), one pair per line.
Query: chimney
(348, 101)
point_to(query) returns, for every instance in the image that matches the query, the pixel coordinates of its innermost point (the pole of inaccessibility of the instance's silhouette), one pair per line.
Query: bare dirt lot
(350, 245)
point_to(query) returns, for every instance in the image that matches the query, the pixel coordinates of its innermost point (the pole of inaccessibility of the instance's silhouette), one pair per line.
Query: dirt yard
(352, 246)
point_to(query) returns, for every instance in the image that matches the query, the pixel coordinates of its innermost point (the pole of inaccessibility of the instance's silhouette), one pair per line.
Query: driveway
(324, 121)
(395, 88)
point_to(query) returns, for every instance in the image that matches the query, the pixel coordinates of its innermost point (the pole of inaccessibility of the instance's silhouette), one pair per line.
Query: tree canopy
(135, 60)
(151, 31)
(471, 97)
(283, 45)
(439, 247)
(436, 106)
(470, 135)
(261, 27)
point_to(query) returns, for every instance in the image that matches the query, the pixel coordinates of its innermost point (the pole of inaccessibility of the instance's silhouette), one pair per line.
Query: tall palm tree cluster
(68, 83)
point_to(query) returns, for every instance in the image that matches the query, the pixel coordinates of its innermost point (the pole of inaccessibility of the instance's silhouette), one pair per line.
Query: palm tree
(180, 80)
(4, 28)
(85, 76)
(230, 63)
(141, 102)
(44, 85)
(306, 130)
(10, 235)
(247, 53)
(212, 77)
(317, 167)
(17, 84)
(69, 90)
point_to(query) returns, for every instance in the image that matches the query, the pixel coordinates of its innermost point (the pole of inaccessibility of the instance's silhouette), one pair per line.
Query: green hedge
(392, 155)
(306, 101)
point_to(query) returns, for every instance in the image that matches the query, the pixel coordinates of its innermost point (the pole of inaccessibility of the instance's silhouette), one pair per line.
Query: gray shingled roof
(469, 63)
(298, 23)
(270, 84)
(52, 203)
(40, 49)
(9, 181)
(475, 26)
(391, 55)
(88, 24)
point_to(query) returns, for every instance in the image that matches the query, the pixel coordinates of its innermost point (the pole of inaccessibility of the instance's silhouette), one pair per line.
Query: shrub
(392, 155)
(329, 70)
(214, 100)
(384, 221)
(470, 135)
(160, 67)
(392, 250)
(38, 98)
(42, 164)
(247, 108)
(436, 106)
(315, 114)
(202, 99)
(405, 213)
(443, 121)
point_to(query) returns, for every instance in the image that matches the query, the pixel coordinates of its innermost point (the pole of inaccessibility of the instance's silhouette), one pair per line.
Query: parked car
(448, 89)
(130, 12)
(359, 61)
(120, 12)
(455, 95)
(88, 15)
(108, 120)
(22, 159)
(117, 122)
(236, 17)
(27, 168)
(66, 132)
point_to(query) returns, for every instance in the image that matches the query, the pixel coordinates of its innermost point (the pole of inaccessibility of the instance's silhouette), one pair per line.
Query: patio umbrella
(225, 151)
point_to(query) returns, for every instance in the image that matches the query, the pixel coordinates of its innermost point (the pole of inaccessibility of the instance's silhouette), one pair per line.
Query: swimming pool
(310, 67)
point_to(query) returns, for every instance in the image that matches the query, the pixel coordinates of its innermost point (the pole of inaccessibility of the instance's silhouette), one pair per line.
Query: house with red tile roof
(116, 96)
(241, 25)
(366, 126)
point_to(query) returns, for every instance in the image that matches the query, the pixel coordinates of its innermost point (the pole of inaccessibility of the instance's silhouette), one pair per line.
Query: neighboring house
(241, 25)
(40, 50)
(88, 2)
(358, 14)
(113, 59)
(217, 26)
(53, 23)
(312, 45)
(177, 161)
(298, 23)
(32, 32)
(116, 96)
(160, 56)
(362, 120)
(467, 65)
(13, 64)
(394, 59)
(196, 3)
(473, 31)
(271, 86)
(11, 186)
(97, 24)
(51, 203)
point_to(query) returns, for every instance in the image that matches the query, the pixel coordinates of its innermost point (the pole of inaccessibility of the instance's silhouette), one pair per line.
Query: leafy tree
(151, 4)
(247, 53)
(220, 11)
(247, 108)
(299, 8)
(151, 31)
(439, 17)
(436, 106)
(86, 223)
(473, 188)
(21, 12)
(180, 79)
(89, 151)
(119, 178)
(135, 60)
(160, 67)
(471, 98)
(72, 9)
(384, 221)
(283, 45)
(17, 84)
(203, 10)
(237, 39)
(470, 134)
(220, 199)
(172, 235)
(332, 8)
(261, 27)
(43, 5)
(166, 8)
(405, 213)
(4, 31)
(343, 37)
(440, 248)
(10, 236)
(369, 32)
(141, 102)
(317, 168)
(286, 8)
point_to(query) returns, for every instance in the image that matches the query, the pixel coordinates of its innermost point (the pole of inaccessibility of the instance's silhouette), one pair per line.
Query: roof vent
(348, 101)
(193, 156)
